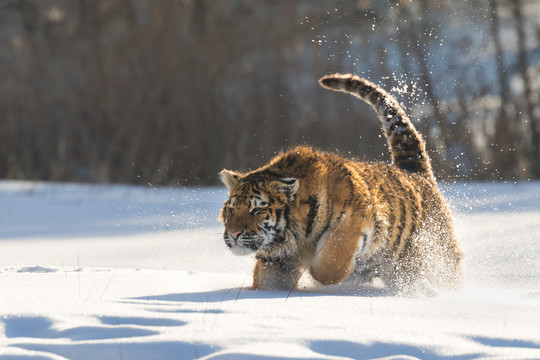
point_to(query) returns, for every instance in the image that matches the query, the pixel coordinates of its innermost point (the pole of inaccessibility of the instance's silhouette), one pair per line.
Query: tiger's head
(257, 214)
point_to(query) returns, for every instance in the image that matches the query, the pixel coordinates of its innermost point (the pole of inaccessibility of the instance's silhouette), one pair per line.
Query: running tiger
(309, 210)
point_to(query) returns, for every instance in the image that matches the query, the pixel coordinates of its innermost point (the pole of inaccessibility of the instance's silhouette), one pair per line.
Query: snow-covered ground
(122, 272)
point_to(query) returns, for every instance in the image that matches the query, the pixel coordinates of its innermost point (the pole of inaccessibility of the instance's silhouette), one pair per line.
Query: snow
(125, 272)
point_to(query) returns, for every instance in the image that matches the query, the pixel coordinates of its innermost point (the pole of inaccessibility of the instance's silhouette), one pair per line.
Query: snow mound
(123, 272)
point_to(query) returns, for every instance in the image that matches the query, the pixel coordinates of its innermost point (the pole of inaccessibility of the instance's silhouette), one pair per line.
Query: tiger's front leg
(335, 253)
(275, 274)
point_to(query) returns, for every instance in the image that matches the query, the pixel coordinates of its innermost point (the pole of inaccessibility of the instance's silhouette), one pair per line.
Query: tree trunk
(503, 155)
(534, 161)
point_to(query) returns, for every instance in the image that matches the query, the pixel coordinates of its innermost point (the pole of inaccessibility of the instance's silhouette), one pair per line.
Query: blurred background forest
(171, 92)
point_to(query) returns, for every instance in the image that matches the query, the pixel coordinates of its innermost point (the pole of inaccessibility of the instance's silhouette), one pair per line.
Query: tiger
(339, 218)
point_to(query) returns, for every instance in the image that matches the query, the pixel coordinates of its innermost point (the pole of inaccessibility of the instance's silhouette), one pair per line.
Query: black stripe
(413, 230)
(364, 241)
(411, 164)
(417, 215)
(286, 213)
(390, 112)
(263, 174)
(410, 156)
(290, 160)
(331, 82)
(406, 145)
(253, 245)
(352, 85)
(392, 128)
(406, 248)
(289, 181)
(349, 178)
(375, 98)
(397, 122)
(401, 225)
(312, 213)
(365, 90)
(278, 216)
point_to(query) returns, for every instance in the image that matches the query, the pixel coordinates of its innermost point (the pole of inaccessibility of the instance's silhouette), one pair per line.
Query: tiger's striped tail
(406, 145)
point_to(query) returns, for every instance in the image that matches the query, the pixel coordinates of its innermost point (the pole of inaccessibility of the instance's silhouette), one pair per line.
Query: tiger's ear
(288, 186)
(229, 178)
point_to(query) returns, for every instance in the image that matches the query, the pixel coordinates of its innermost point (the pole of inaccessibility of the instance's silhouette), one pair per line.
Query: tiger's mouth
(243, 244)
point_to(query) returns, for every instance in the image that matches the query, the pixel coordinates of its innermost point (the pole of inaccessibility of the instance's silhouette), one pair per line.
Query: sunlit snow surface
(122, 272)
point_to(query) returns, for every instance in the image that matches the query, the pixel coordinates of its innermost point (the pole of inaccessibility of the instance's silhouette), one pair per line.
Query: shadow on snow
(359, 351)
(236, 294)
(25, 328)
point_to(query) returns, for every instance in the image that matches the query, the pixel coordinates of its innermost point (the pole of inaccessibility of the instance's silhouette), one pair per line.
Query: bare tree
(503, 142)
(529, 103)
(170, 92)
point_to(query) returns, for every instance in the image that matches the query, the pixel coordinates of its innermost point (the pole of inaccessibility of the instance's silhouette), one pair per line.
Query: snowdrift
(123, 272)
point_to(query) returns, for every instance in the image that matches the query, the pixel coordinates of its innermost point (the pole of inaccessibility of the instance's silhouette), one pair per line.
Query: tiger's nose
(235, 234)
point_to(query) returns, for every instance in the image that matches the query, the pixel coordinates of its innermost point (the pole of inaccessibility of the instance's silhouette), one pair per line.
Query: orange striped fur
(335, 217)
